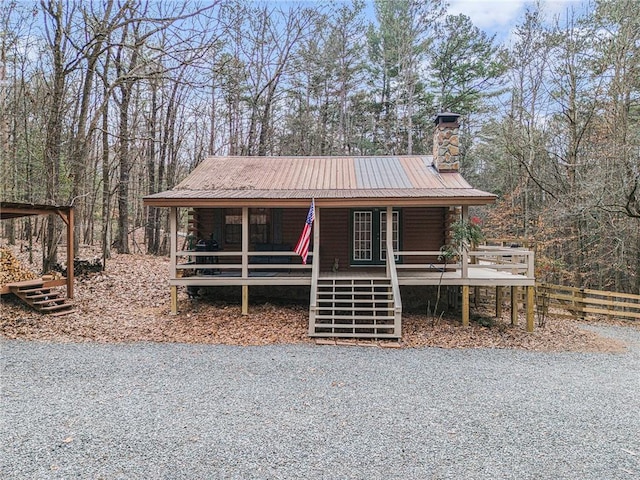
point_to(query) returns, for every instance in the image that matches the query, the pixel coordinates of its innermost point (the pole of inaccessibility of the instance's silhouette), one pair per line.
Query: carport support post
(514, 305)
(465, 305)
(530, 300)
(70, 254)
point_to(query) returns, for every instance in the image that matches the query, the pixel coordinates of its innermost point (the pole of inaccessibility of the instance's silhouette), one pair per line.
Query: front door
(369, 236)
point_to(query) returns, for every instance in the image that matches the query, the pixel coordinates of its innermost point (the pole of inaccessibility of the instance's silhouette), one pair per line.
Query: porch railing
(509, 260)
(186, 261)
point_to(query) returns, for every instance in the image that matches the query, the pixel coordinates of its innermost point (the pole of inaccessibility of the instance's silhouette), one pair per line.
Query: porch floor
(475, 277)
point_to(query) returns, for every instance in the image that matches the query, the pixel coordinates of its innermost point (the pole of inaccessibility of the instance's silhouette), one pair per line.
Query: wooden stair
(355, 308)
(41, 298)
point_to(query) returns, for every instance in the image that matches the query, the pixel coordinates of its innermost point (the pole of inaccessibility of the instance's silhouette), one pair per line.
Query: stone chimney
(446, 147)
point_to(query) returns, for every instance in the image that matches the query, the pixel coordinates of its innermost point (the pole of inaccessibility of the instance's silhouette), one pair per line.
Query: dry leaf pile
(129, 302)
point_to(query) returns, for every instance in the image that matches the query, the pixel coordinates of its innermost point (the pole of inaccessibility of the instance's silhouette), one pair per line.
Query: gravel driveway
(304, 411)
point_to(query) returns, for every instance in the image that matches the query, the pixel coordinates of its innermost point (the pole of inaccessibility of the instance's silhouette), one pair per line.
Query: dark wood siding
(292, 223)
(334, 238)
(203, 224)
(423, 229)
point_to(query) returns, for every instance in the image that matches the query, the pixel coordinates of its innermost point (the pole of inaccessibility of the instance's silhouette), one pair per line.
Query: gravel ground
(146, 410)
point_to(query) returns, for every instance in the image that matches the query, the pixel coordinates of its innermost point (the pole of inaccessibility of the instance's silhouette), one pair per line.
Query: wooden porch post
(498, 301)
(315, 271)
(514, 305)
(245, 259)
(245, 299)
(389, 232)
(173, 246)
(174, 299)
(465, 255)
(465, 305)
(530, 300)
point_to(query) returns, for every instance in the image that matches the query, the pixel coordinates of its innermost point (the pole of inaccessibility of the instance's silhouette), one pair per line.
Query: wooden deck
(488, 267)
(476, 276)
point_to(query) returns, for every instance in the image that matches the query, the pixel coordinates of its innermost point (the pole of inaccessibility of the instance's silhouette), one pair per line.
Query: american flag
(302, 247)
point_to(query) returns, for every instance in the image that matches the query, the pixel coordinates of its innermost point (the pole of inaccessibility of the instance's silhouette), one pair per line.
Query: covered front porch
(348, 297)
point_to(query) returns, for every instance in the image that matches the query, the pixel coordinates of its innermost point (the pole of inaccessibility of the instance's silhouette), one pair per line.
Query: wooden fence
(580, 302)
(577, 302)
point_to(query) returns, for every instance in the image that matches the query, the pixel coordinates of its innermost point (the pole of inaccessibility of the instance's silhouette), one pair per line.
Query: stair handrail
(392, 274)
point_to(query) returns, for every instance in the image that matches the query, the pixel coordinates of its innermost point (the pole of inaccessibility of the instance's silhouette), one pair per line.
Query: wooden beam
(245, 259)
(245, 242)
(464, 267)
(174, 300)
(315, 269)
(173, 240)
(530, 301)
(337, 202)
(465, 305)
(245, 299)
(173, 247)
(498, 301)
(70, 251)
(514, 305)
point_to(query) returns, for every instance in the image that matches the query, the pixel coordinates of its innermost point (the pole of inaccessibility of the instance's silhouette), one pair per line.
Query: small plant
(465, 234)
(542, 307)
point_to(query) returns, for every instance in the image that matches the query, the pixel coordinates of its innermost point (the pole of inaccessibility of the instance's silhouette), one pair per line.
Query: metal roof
(330, 178)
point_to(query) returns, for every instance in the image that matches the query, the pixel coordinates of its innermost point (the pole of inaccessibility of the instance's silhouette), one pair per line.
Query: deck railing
(514, 261)
(509, 260)
(186, 262)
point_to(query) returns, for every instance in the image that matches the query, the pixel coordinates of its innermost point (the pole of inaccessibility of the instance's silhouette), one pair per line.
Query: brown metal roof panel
(291, 174)
(454, 180)
(421, 172)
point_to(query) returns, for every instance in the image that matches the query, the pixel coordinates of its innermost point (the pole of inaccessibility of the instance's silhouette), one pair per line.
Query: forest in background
(104, 102)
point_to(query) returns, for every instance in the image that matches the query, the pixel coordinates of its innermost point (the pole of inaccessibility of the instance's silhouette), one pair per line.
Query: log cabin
(379, 223)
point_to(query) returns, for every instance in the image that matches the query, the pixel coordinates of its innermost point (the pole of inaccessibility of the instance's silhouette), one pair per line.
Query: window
(233, 226)
(259, 225)
(362, 245)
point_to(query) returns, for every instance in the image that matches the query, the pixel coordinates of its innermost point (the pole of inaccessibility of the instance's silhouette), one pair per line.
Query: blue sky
(501, 16)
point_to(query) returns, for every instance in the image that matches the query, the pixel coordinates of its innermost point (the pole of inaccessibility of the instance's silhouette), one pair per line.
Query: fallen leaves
(129, 302)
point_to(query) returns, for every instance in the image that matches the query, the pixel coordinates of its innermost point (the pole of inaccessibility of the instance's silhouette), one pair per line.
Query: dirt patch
(129, 302)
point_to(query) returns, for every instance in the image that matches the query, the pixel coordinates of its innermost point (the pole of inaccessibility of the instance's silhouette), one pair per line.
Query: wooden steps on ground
(41, 298)
(357, 307)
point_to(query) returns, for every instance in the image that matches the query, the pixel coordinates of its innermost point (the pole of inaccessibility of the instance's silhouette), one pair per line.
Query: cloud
(489, 14)
(499, 16)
